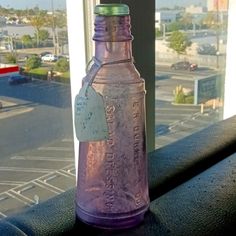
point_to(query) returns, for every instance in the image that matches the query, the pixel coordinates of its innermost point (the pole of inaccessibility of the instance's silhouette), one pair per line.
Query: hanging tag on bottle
(90, 118)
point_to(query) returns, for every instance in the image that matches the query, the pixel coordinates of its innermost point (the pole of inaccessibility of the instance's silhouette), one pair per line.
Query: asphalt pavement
(48, 118)
(176, 121)
(10, 109)
(36, 143)
(33, 176)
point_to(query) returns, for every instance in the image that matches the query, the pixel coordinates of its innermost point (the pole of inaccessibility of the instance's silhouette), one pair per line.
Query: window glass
(191, 40)
(36, 133)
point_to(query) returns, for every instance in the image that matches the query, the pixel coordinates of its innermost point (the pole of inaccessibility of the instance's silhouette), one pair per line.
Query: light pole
(11, 43)
(53, 28)
(164, 31)
(194, 22)
(217, 35)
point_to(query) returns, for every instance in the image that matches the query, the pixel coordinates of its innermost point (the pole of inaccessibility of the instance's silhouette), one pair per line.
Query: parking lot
(36, 163)
(6, 109)
(36, 175)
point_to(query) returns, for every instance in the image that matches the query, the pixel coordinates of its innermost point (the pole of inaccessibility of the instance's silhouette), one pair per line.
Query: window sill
(192, 190)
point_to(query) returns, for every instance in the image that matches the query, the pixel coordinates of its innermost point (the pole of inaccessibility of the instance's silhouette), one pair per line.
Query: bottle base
(112, 221)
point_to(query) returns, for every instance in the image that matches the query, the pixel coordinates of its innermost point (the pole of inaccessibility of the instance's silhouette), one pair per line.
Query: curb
(7, 112)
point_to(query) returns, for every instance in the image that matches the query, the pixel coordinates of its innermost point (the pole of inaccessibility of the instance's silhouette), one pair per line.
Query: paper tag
(90, 118)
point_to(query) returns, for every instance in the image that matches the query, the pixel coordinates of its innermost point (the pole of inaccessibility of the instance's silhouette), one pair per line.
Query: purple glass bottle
(112, 184)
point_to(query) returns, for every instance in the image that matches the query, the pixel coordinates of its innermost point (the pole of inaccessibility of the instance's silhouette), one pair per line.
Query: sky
(172, 3)
(42, 4)
(61, 4)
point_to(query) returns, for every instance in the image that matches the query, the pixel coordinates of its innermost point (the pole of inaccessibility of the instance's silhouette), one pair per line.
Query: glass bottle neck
(113, 39)
(112, 29)
(113, 51)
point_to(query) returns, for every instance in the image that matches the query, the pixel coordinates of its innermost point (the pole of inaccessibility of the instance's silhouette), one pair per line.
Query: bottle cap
(114, 9)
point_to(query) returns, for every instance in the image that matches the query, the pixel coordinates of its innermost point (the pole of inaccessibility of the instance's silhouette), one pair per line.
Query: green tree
(210, 21)
(19, 13)
(37, 21)
(213, 21)
(55, 21)
(174, 26)
(11, 58)
(43, 35)
(62, 37)
(27, 40)
(4, 11)
(180, 97)
(12, 18)
(62, 65)
(33, 62)
(158, 33)
(179, 41)
(186, 20)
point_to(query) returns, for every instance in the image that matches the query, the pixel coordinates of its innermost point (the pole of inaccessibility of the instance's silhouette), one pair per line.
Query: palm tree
(54, 22)
(186, 20)
(210, 20)
(37, 21)
(60, 23)
(26, 40)
(50, 22)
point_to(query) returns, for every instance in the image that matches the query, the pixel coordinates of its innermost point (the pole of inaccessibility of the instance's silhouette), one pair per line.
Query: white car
(49, 57)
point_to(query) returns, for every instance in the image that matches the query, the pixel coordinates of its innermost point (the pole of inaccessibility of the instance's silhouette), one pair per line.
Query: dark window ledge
(192, 189)
(176, 163)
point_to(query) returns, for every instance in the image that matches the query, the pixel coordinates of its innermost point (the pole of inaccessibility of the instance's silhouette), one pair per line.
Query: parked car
(49, 57)
(18, 79)
(184, 65)
(207, 49)
(64, 56)
(43, 54)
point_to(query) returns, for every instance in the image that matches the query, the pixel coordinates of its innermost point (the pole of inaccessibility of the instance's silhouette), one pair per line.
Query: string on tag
(100, 64)
(90, 117)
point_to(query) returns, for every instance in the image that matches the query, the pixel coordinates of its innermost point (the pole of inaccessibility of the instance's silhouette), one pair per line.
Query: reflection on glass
(190, 67)
(36, 140)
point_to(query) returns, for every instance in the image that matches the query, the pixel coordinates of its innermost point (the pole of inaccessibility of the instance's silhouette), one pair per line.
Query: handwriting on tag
(90, 118)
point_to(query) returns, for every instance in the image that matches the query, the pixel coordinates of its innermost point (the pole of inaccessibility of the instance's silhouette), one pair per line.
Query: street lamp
(217, 35)
(217, 59)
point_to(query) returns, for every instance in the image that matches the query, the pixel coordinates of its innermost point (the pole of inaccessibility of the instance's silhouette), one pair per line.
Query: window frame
(77, 45)
(230, 80)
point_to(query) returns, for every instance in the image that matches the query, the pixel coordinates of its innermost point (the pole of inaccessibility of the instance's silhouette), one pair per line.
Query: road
(186, 74)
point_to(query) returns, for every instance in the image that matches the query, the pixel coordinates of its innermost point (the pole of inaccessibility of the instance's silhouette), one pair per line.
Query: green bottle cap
(114, 9)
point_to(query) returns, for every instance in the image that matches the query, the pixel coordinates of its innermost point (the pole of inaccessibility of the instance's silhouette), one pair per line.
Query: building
(165, 17)
(217, 5)
(192, 9)
(2, 21)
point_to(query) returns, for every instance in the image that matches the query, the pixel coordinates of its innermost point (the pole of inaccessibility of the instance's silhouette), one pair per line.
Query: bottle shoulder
(118, 73)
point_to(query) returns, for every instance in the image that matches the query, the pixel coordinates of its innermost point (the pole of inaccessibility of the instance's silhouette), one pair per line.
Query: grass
(64, 77)
(42, 72)
(39, 71)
